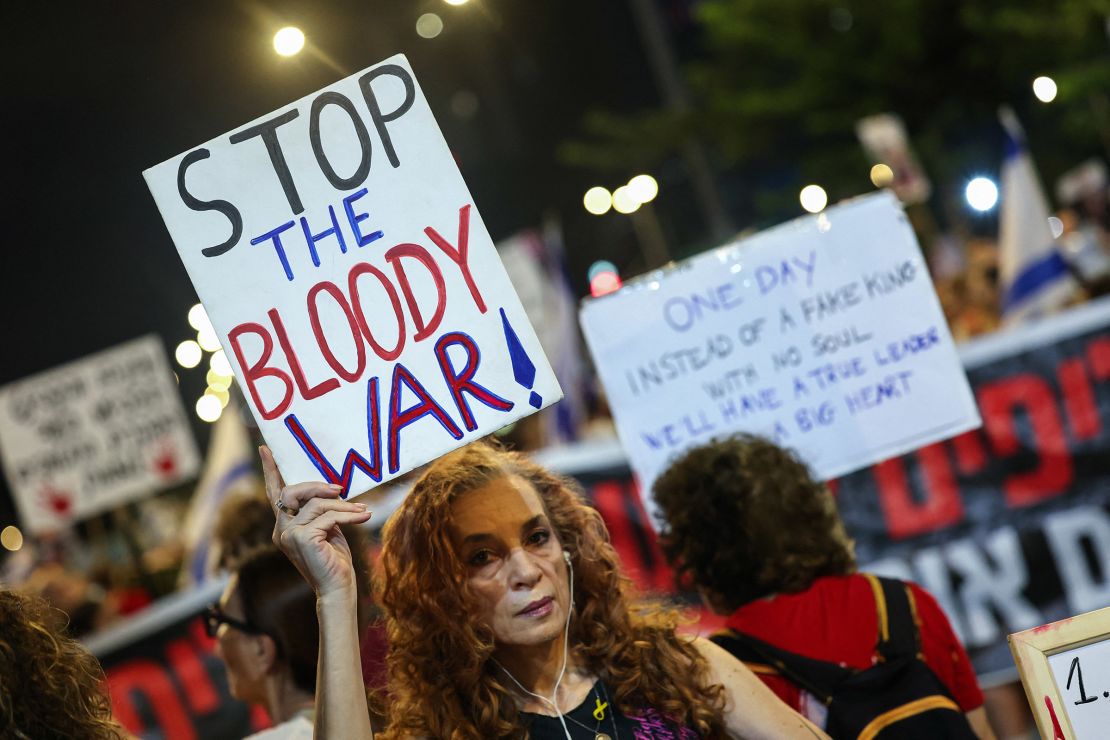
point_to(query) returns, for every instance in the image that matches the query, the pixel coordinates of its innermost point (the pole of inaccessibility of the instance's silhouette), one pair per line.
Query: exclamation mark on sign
(524, 370)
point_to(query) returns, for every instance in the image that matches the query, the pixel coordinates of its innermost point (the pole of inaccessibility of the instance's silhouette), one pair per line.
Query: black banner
(1008, 525)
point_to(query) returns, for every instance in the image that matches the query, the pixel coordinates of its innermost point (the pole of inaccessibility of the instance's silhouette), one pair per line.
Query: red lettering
(463, 381)
(147, 677)
(399, 419)
(307, 393)
(192, 677)
(417, 252)
(356, 272)
(1053, 474)
(1098, 354)
(252, 373)
(904, 516)
(317, 329)
(461, 255)
(1079, 399)
(971, 457)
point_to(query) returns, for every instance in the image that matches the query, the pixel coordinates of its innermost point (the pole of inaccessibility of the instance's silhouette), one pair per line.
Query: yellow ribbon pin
(599, 712)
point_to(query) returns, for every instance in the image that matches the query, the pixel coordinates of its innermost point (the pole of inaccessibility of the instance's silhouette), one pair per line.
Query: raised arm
(308, 516)
(752, 710)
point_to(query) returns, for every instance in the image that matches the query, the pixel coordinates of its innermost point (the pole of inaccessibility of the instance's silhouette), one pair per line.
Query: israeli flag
(1034, 277)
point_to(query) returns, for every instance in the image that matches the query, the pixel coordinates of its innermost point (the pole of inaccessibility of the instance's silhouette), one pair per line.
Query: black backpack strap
(899, 629)
(815, 676)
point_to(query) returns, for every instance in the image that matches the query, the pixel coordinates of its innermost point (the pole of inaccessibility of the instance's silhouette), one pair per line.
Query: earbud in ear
(566, 556)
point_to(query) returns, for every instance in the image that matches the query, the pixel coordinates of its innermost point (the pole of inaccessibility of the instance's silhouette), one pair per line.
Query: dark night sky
(97, 92)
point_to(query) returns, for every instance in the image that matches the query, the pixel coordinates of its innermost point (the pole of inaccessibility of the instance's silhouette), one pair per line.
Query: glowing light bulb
(644, 188)
(597, 200)
(981, 194)
(813, 198)
(1045, 89)
(188, 354)
(288, 41)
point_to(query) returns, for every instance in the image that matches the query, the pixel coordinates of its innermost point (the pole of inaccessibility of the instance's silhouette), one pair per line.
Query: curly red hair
(50, 685)
(441, 681)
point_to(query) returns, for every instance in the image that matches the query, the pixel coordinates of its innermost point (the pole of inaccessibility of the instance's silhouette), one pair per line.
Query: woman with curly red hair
(50, 685)
(508, 617)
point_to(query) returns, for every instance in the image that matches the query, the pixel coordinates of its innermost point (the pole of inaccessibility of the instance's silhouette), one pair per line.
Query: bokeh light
(644, 188)
(208, 340)
(209, 407)
(429, 26)
(11, 538)
(220, 365)
(981, 194)
(597, 200)
(1056, 225)
(1045, 89)
(198, 317)
(188, 354)
(881, 175)
(288, 41)
(624, 200)
(813, 198)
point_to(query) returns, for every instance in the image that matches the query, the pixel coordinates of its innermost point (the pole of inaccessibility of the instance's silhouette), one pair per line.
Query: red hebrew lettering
(317, 329)
(904, 516)
(1098, 354)
(148, 678)
(998, 401)
(307, 393)
(971, 456)
(631, 535)
(259, 369)
(358, 271)
(1079, 399)
(192, 677)
(461, 255)
(417, 252)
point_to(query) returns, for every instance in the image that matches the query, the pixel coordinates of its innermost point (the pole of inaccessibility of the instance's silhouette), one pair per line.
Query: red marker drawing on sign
(165, 462)
(58, 501)
(1057, 731)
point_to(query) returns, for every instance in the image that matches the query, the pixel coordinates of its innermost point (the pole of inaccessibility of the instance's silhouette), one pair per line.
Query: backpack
(898, 697)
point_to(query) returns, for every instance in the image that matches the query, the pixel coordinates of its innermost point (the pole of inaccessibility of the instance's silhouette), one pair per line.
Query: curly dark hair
(744, 519)
(50, 685)
(438, 648)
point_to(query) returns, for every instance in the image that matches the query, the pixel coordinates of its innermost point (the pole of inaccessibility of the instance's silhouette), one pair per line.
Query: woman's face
(514, 560)
(239, 651)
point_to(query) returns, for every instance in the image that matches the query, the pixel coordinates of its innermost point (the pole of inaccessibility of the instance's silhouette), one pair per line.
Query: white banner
(824, 334)
(92, 434)
(352, 282)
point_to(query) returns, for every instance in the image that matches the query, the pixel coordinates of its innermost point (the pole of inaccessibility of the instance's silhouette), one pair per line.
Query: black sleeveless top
(647, 724)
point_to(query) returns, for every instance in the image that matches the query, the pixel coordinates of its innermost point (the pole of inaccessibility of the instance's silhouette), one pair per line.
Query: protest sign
(1052, 660)
(823, 334)
(92, 434)
(352, 282)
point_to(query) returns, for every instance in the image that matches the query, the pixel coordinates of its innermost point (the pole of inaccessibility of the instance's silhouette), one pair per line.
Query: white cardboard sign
(352, 282)
(823, 334)
(90, 435)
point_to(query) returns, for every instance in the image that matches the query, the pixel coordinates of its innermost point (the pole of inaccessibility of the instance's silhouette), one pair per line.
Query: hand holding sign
(371, 324)
(306, 528)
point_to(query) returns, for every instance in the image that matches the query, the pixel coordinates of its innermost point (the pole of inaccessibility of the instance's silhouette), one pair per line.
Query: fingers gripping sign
(306, 528)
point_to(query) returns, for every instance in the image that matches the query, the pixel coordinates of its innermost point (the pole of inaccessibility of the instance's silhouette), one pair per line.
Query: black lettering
(268, 131)
(337, 182)
(197, 204)
(380, 119)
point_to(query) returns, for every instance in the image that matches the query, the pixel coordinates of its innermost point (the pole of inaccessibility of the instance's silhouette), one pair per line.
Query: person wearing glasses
(268, 638)
(508, 617)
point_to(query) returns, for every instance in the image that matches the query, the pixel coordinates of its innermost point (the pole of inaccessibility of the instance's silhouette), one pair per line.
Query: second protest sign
(352, 282)
(823, 334)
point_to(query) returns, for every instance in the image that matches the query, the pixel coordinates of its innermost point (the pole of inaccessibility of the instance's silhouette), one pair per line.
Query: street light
(288, 41)
(813, 198)
(981, 194)
(429, 26)
(1045, 89)
(625, 200)
(644, 188)
(188, 354)
(597, 200)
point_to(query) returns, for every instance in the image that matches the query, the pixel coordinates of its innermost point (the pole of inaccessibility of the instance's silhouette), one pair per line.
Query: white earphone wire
(554, 700)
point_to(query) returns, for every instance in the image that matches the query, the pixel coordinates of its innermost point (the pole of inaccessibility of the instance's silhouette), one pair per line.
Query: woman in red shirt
(763, 542)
